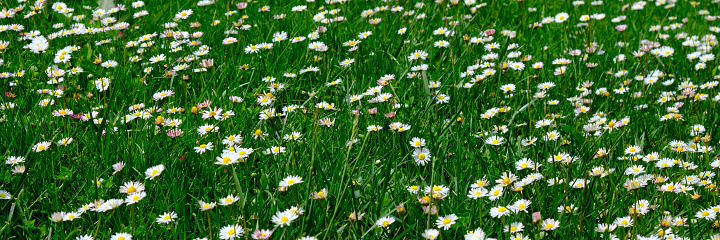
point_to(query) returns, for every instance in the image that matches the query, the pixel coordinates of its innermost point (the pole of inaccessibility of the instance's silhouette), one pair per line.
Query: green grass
(372, 175)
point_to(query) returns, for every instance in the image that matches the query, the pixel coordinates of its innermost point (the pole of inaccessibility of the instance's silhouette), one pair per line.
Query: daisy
(14, 160)
(514, 227)
(282, 219)
(227, 158)
(384, 222)
(230, 199)
(632, 150)
(412, 189)
(561, 17)
(204, 147)
(274, 150)
(117, 167)
(206, 128)
(153, 172)
(261, 234)
(500, 211)
(624, 222)
(476, 193)
(166, 218)
(437, 189)
(549, 224)
(707, 214)
(422, 156)
(41, 146)
(290, 180)
(446, 222)
(204, 206)
(520, 205)
(442, 98)
(322, 194)
(431, 234)
(135, 197)
(84, 237)
(495, 193)
(163, 94)
(64, 141)
(231, 232)
(71, 216)
(244, 153)
(5, 194)
(132, 187)
(212, 113)
(417, 142)
(495, 140)
(121, 236)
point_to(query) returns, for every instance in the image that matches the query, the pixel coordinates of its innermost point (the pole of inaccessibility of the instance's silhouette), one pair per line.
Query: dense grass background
(371, 175)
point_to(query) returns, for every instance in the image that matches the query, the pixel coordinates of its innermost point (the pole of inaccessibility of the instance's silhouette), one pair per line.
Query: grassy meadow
(359, 119)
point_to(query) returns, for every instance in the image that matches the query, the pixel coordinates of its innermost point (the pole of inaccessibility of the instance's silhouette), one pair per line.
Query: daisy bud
(372, 111)
(89, 95)
(194, 110)
(185, 77)
(621, 27)
(400, 208)
(390, 115)
(159, 120)
(536, 217)
(430, 210)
